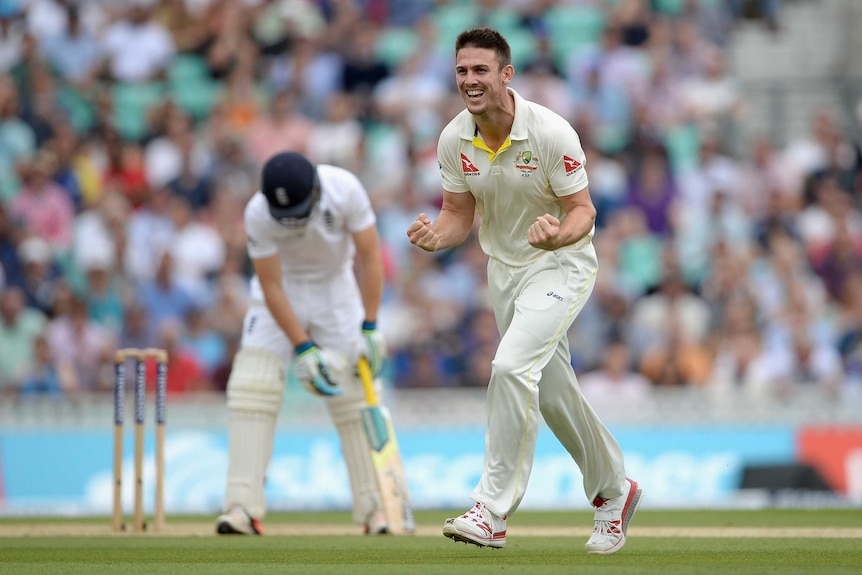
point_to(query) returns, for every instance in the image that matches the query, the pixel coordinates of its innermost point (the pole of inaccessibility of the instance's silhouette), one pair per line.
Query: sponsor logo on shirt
(468, 166)
(572, 165)
(555, 295)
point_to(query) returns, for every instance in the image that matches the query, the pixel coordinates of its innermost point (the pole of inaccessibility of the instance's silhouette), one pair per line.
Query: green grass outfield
(783, 542)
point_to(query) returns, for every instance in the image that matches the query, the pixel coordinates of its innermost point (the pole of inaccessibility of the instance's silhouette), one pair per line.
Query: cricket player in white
(304, 228)
(521, 167)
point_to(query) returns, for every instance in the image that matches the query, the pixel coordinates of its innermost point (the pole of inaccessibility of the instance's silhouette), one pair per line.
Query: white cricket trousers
(532, 374)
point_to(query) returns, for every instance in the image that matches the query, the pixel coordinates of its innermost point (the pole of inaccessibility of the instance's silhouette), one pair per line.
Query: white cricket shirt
(542, 160)
(322, 249)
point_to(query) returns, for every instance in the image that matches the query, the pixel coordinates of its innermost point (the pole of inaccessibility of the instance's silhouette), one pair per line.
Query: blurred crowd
(132, 132)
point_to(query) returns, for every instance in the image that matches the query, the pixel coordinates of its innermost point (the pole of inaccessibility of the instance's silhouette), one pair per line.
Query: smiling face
(482, 80)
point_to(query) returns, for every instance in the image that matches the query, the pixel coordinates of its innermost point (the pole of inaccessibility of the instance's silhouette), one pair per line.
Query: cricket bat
(392, 483)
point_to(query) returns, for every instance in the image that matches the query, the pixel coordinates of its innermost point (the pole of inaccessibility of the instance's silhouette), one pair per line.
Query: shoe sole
(628, 512)
(225, 527)
(453, 533)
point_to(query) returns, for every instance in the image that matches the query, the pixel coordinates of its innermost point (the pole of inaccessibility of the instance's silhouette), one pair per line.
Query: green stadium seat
(396, 43)
(571, 28)
(451, 20)
(79, 110)
(523, 45)
(197, 97)
(187, 67)
(132, 103)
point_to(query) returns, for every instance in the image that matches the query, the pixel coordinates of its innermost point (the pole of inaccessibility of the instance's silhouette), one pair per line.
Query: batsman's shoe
(237, 521)
(376, 524)
(478, 526)
(612, 520)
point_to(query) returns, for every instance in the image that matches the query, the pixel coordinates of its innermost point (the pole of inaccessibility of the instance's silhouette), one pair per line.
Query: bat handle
(367, 379)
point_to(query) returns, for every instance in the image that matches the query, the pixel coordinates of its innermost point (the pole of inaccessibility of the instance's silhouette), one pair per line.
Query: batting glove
(375, 346)
(316, 368)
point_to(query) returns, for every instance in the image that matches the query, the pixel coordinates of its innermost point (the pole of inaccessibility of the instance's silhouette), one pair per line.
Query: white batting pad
(254, 395)
(346, 415)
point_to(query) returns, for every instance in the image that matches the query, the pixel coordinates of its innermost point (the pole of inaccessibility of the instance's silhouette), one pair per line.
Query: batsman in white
(305, 227)
(521, 167)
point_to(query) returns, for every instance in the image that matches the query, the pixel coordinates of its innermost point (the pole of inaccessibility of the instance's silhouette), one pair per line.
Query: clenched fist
(543, 232)
(422, 235)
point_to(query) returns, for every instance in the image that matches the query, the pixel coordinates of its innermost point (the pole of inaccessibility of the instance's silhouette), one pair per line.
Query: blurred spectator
(124, 171)
(47, 18)
(672, 311)
(73, 51)
(714, 172)
(691, 51)
(830, 208)
(479, 340)
(190, 185)
(197, 250)
(742, 364)
(700, 228)
(615, 380)
(12, 31)
(652, 189)
(137, 47)
(185, 373)
(810, 153)
(606, 106)
(310, 70)
(104, 291)
(137, 332)
(638, 252)
(767, 11)
(68, 168)
(11, 266)
(43, 378)
(412, 99)
(763, 173)
(362, 69)
(841, 262)
(188, 29)
(608, 183)
(816, 364)
(162, 297)
(150, 231)
(540, 81)
(338, 138)
(233, 172)
(41, 274)
(17, 139)
(850, 332)
(82, 349)
(676, 360)
(221, 373)
(20, 326)
(782, 273)
(203, 342)
(241, 99)
(281, 128)
(713, 99)
(176, 152)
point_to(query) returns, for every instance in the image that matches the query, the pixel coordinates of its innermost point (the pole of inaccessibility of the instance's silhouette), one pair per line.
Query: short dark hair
(484, 37)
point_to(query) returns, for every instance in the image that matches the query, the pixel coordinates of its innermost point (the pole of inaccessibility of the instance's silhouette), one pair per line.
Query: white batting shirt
(322, 249)
(541, 160)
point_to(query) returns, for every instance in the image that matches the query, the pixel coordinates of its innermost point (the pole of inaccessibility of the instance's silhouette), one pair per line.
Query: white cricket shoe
(612, 520)
(478, 526)
(376, 524)
(237, 521)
